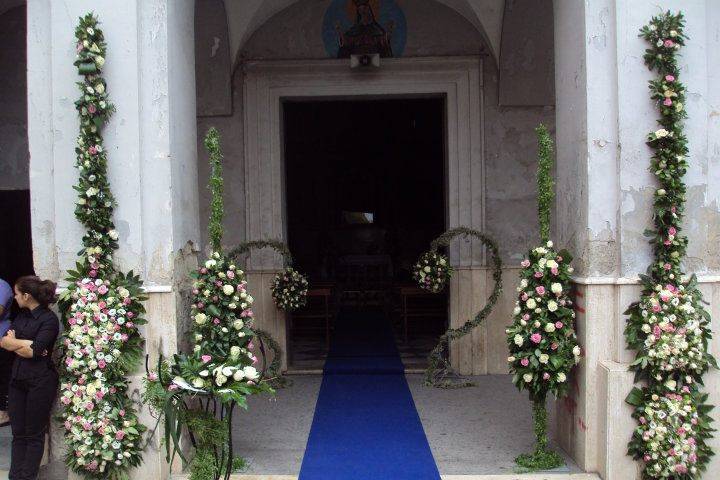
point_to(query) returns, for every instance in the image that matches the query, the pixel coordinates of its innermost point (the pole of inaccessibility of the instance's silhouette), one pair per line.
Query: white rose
(552, 264)
(220, 380)
(250, 372)
(228, 289)
(561, 377)
(235, 351)
(238, 375)
(661, 133)
(200, 318)
(549, 327)
(576, 350)
(556, 288)
(198, 383)
(516, 310)
(210, 263)
(528, 377)
(238, 324)
(549, 244)
(426, 269)
(523, 283)
(531, 303)
(113, 234)
(204, 373)
(518, 339)
(511, 359)
(196, 348)
(552, 305)
(227, 371)
(198, 337)
(232, 306)
(544, 358)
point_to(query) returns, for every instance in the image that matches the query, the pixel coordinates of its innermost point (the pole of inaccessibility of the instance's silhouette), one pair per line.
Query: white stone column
(151, 144)
(605, 195)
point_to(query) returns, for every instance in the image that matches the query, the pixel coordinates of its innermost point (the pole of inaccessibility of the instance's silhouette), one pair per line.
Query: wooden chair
(319, 306)
(418, 303)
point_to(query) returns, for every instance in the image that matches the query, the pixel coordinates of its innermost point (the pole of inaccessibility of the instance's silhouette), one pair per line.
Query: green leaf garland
(669, 327)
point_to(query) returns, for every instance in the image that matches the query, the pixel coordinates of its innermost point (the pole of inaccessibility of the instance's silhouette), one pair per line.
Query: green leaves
(545, 183)
(215, 227)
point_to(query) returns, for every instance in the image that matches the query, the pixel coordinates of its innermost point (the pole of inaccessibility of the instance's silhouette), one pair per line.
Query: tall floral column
(542, 341)
(102, 306)
(669, 327)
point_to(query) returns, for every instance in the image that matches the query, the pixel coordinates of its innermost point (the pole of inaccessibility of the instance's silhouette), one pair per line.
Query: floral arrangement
(541, 340)
(432, 271)
(222, 366)
(289, 290)
(101, 307)
(668, 326)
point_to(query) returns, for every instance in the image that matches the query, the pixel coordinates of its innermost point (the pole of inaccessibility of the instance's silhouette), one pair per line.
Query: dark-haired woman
(34, 380)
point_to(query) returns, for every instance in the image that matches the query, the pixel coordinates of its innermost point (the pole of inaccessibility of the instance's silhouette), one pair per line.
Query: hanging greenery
(102, 307)
(434, 265)
(541, 340)
(199, 390)
(668, 327)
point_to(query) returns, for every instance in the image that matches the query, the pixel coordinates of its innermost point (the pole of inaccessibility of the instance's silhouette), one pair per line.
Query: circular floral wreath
(289, 290)
(432, 271)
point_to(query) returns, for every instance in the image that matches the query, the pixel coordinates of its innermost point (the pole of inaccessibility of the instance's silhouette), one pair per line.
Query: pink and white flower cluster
(289, 290)
(101, 319)
(668, 425)
(541, 340)
(673, 331)
(432, 272)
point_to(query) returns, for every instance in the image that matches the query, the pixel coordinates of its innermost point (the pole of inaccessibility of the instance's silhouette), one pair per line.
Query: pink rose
(121, 413)
(524, 362)
(667, 266)
(92, 108)
(523, 296)
(672, 231)
(546, 376)
(172, 387)
(667, 102)
(554, 271)
(216, 321)
(92, 273)
(525, 263)
(203, 270)
(668, 43)
(230, 274)
(206, 358)
(119, 435)
(538, 275)
(669, 78)
(540, 290)
(536, 338)
(152, 376)
(656, 308)
(92, 150)
(559, 324)
(667, 243)
(526, 317)
(102, 364)
(554, 346)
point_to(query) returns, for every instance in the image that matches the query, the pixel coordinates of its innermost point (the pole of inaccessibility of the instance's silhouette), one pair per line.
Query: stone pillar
(151, 143)
(605, 195)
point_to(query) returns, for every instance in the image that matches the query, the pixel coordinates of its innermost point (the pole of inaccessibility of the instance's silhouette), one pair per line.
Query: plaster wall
(14, 158)
(433, 30)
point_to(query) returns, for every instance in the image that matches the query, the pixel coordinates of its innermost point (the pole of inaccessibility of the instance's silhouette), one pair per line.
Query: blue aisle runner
(366, 425)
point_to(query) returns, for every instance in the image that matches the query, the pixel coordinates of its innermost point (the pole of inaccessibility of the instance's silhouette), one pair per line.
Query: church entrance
(365, 195)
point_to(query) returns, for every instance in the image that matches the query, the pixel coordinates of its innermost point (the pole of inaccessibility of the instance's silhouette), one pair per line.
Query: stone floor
(471, 431)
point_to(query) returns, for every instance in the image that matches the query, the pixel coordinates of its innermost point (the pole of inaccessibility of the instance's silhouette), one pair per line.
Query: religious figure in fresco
(366, 35)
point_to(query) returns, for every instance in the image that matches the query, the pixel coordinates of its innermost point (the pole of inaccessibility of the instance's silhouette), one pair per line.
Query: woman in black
(34, 380)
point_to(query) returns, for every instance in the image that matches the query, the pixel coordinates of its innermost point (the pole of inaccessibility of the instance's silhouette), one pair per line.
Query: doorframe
(268, 83)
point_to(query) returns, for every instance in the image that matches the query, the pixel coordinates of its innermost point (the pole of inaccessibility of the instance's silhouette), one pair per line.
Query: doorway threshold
(319, 371)
(503, 476)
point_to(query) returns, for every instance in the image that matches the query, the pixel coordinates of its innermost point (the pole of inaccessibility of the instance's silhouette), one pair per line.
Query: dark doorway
(365, 183)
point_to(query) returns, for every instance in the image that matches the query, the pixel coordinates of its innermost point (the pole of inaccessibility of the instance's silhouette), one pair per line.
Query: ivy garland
(440, 373)
(668, 326)
(102, 307)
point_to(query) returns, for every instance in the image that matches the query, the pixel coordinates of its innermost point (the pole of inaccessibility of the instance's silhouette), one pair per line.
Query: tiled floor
(5, 438)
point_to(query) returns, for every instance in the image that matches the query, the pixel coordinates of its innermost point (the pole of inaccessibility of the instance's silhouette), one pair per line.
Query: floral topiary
(541, 340)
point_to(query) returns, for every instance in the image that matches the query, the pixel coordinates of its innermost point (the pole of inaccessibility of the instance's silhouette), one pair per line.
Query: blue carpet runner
(366, 426)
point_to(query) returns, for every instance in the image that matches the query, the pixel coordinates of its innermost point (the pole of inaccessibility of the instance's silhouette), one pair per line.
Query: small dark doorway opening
(365, 196)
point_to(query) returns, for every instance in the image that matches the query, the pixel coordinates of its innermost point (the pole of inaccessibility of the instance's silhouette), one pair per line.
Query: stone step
(508, 476)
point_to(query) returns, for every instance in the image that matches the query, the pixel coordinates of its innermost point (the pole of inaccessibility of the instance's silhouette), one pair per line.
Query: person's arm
(45, 337)
(12, 344)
